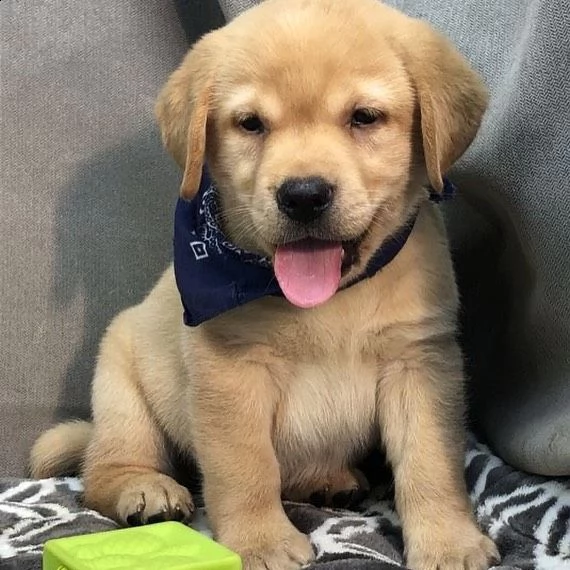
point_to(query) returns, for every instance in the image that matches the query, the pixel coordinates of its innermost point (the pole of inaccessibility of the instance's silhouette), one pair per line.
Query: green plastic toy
(162, 546)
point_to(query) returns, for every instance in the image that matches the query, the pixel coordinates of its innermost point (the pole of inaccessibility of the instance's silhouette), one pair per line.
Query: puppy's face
(311, 137)
(319, 127)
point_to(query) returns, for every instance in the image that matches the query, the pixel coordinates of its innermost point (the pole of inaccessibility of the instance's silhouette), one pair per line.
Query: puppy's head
(320, 122)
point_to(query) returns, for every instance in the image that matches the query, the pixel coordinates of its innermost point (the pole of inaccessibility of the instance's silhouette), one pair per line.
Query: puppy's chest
(327, 407)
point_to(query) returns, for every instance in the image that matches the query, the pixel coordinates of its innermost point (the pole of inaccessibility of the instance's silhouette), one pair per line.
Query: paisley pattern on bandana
(210, 232)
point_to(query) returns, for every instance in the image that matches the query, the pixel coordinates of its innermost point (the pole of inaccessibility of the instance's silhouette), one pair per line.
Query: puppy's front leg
(233, 413)
(420, 409)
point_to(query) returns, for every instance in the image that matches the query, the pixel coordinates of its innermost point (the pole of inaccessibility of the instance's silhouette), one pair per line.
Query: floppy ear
(451, 96)
(182, 112)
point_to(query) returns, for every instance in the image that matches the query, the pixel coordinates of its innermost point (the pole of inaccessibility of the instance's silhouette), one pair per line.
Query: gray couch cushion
(511, 227)
(86, 194)
(512, 230)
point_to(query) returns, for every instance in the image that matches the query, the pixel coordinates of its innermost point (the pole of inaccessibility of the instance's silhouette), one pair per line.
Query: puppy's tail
(60, 450)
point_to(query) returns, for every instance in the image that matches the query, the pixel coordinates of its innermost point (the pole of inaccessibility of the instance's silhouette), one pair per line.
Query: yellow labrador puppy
(317, 289)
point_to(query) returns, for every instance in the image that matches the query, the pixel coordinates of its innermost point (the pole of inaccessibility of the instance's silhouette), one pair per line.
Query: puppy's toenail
(178, 514)
(318, 499)
(136, 519)
(342, 499)
(495, 561)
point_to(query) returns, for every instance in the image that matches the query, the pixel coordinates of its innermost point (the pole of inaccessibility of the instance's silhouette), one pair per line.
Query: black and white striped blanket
(528, 517)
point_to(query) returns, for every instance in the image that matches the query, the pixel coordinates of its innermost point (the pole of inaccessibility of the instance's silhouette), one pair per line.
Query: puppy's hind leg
(126, 464)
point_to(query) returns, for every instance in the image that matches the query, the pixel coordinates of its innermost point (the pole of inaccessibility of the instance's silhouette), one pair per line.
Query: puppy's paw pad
(153, 498)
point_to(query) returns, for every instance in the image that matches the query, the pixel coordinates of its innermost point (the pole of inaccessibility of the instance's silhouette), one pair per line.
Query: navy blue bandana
(214, 276)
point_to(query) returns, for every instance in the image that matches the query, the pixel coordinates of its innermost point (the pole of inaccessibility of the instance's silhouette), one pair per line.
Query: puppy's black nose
(304, 199)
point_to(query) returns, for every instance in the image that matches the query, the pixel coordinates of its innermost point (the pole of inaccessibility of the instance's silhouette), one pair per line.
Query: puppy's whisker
(245, 229)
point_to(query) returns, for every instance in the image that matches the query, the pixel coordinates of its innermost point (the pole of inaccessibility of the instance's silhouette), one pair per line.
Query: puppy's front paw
(452, 547)
(154, 497)
(269, 546)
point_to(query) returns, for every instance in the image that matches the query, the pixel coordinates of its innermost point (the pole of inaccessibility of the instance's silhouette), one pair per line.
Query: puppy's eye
(252, 124)
(364, 117)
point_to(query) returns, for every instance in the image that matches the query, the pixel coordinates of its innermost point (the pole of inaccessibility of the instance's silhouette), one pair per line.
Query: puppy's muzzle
(304, 199)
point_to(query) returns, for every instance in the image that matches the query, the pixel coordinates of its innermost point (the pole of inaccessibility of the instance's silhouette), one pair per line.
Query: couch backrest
(86, 194)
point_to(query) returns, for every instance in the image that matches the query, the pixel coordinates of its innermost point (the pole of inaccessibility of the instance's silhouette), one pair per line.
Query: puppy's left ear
(452, 98)
(182, 112)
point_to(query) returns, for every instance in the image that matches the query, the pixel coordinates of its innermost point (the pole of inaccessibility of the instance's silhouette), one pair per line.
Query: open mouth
(351, 253)
(309, 270)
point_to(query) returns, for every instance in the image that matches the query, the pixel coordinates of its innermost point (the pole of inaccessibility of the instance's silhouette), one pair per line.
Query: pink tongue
(308, 271)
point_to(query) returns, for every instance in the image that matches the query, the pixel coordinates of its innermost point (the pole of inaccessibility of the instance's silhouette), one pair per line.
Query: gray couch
(87, 196)
(86, 193)
(86, 204)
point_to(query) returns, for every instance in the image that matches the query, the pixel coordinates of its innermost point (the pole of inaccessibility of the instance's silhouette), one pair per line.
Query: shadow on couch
(114, 240)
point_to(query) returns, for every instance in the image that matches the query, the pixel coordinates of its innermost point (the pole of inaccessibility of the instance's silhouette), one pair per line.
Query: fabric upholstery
(511, 228)
(87, 194)
(87, 197)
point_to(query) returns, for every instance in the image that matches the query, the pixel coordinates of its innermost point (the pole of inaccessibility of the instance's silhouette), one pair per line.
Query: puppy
(321, 123)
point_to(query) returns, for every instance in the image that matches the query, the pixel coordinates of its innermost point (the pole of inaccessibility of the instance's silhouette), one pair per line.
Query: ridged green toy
(163, 546)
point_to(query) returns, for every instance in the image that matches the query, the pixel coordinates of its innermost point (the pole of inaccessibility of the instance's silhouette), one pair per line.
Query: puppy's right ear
(182, 112)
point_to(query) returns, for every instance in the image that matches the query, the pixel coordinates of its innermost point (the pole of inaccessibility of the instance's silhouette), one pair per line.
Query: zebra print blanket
(528, 517)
